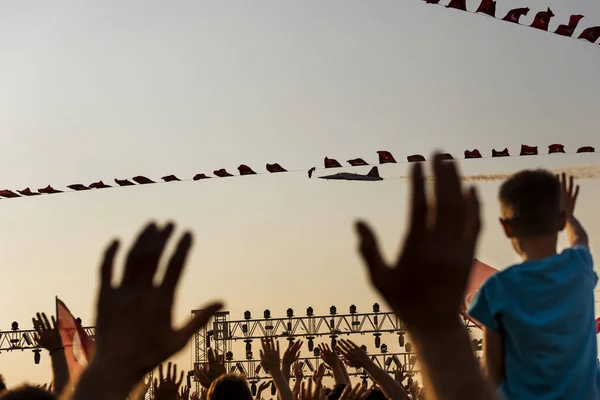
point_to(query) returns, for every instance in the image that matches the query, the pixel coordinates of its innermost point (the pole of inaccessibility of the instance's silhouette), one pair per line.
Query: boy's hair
(229, 386)
(533, 200)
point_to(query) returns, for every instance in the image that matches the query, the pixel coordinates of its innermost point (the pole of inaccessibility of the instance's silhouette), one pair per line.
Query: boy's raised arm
(575, 232)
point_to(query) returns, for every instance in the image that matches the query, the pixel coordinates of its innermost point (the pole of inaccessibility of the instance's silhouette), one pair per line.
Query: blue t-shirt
(544, 310)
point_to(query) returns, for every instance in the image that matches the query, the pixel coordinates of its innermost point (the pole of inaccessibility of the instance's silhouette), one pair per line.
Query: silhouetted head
(229, 386)
(28, 393)
(2, 384)
(531, 205)
(374, 394)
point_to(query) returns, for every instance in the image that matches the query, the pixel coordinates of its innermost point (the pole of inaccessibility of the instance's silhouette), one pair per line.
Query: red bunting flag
(245, 170)
(529, 150)
(142, 180)
(28, 192)
(567, 30)
(590, 34)
(78, 187)
(514, 14)
(77, 344)
(503, 153)
(458, 4)
(415, 158)
(102, 185)
(222, 173)
(385, 157)
(586, 149)
(8, 194)
(170, 178)
(331, 163)
(124, 182)
(197, 177)
(357, 162)
(275, 168)
(542, 19)
(49, 190)
(446, 156)
(487, 7)
(556, 148)
(472, 154)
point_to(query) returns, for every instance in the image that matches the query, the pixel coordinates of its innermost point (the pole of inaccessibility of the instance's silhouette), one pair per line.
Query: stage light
(309, 312)
(333, 310)
(248, 344)
(249, 355)
(267, 314)
(384, 348)
(376, 308)
(253, 388)
(37, 356)
(408, 347)
(333, 341)
(311, 343)
(14, 326)
(229, 356)
(290, 313)
(247, 315)
(244, 328)
(289, 326)
(401, 340)
(352, 309)
(317, 352)
(377, 339)
(332, 324)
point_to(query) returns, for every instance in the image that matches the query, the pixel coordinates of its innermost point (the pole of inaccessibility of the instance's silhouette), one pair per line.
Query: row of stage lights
(310, 312)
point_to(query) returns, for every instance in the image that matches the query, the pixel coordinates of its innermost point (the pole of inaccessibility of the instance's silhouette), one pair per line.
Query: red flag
(221, 173)
(479, 273)
(472, 154)
(76, 342)
(503, 153)
(28, 192)
(357, 162)
(516, 13)
(78, 187)
(49, 190)
(487, 7)
(528, 150)
(197, 177)
(245, 170)
(275, 168)
(170, 178)
(556, 148)
(415, 158)
(586, 149)
(432, 1)
(9, 194)
(331, 163)
(567, 30)
(590, 34)
(124, 182)
(99, 185)
(385, 157)
(542, 19)
(142, 180)
(458, 4)
(597, 325)
(446, 156)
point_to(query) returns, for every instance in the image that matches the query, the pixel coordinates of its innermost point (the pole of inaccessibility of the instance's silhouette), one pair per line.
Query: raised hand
(47, 336)
(134, 331)
(329, 356)
(307, 392)
(184, 393)
(319, 373)
(264, 385)
(426, 285)
(269, 355)
(570, 192)
(291, 354)
(209, 372)
(352, 393)
(354, 355)
(167, 387)
(297, 370)
(399, 374)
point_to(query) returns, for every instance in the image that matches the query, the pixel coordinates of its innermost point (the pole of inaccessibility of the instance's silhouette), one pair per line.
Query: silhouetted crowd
(538, 316)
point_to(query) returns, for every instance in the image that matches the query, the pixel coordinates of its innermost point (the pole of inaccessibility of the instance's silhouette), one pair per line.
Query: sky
(114, 89)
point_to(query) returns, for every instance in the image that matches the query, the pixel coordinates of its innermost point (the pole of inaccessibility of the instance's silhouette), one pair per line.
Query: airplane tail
(374, 172)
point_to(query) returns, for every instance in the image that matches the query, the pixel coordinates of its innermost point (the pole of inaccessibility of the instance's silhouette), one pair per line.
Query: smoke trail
(583, 172)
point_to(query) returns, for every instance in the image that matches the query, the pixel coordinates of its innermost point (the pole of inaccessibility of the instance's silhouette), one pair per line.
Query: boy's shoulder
(574, 256)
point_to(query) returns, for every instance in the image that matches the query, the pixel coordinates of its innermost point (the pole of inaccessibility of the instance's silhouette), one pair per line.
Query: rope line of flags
(384, 157)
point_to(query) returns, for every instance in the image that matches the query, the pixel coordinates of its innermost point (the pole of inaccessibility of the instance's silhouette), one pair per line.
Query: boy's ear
(562, 222)
(507, 228)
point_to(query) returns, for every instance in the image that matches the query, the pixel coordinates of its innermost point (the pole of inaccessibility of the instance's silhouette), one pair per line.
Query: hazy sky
(113, 89)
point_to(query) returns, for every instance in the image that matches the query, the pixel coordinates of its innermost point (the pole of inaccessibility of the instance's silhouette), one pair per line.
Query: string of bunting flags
(541, 20)
(384, 157)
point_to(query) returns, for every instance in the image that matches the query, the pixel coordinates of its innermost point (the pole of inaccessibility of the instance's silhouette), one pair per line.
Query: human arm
(299, 376)
(358, 358)
(429, 279)
(493, 350)
(48, 337)
(134, 331)
(290, 356)
(331, 358)
(212, 370)
(270, 360)
(576, 234)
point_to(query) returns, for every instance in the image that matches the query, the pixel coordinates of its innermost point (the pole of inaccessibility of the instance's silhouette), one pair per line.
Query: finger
(106, 268)
(450, 205)
(571, 185)
(144, 256)
(472, 221)
(369, 250)
(575, 195)
(198, 321)
(160, 372)
(180, 379)
(177, 262)
(47, 325)
(418, 203)
(171, 371)
(54, 323)
(211, 356)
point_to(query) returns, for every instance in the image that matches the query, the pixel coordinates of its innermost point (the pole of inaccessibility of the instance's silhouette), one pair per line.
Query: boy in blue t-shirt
(538, 316)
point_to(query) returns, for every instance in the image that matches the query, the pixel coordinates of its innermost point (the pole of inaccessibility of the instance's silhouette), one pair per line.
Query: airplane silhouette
(373, 175)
